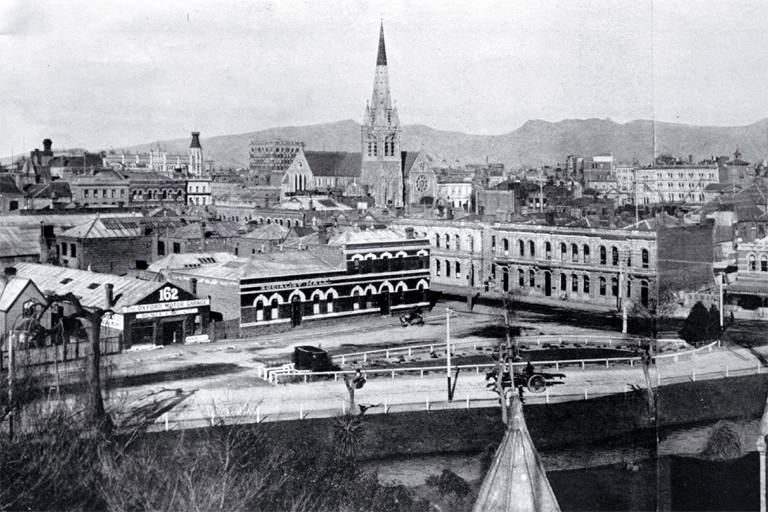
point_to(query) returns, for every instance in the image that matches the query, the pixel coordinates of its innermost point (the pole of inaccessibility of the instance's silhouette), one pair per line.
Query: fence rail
(57, 353)
(558, 340)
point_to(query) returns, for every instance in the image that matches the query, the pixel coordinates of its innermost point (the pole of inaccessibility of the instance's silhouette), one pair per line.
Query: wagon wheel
(536, 384)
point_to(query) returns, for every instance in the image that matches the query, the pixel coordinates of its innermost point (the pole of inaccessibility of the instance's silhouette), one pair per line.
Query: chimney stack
(193, 286)
(322, 235)
(10, 271)
(47, 146)
(109, 291)
(409, 235)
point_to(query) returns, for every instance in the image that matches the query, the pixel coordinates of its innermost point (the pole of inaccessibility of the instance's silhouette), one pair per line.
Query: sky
(101, 74)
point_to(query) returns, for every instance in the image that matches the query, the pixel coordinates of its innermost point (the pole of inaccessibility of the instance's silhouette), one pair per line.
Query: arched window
(644, 258)
(521, 278)
(763, 263)
(574, 283)
(603, 255)
(644, 293)
(505, 244)
(585, 284)
(471, 242)
(505, 279)
(574, 253)
(532, 249)
(532, 278)
(563, 282)
(628, 252)
(629, 288)
(447, 268)
(521, 248)
(437, 268)
(356, 299)
(615, 287)
(615, 256)
(585, 252)
(602, 286)
(447, 241)
(458, 242)
(548, 250)
(259, 311)
(316, 304)
(458, 270)
(563, 251)
(275, 309)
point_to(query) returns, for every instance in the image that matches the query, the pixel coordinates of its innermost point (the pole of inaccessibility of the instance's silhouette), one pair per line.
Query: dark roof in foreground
(517, 480)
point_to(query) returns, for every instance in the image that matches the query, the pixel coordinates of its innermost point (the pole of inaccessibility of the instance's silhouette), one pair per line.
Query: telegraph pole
(448, 350)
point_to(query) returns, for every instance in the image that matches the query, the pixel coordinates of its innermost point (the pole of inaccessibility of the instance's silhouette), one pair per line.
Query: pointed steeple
(381, 58)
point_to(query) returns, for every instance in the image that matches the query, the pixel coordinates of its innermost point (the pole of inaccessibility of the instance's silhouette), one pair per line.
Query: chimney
(47, 146)
(409, 235)
(10, 271)
(322, 235)
(193, 286)
(690, 159)
(109, 292)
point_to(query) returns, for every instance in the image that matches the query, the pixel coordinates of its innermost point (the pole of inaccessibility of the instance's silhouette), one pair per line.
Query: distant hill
(535, 143)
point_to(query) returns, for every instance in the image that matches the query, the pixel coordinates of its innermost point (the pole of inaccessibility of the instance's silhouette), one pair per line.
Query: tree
(701, 324)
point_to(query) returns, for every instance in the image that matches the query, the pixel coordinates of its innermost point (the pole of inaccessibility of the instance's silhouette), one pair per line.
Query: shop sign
(158, 314)
(114, 321)
(143, 308)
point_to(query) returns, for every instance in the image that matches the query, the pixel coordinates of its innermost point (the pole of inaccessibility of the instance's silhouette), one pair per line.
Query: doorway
(173, 332)
(385, 303)
(547, 284)
(295, 311)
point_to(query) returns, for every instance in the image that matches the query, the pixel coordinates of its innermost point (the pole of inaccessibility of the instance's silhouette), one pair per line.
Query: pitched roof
(368, 236)
(407, 158)
(334, 163)
(271, 231)
(10, 289)
(517, 479)
(8, 186)
(52, 190)
(213, 229)
(121, 227)
(190, 260)
(87, 286)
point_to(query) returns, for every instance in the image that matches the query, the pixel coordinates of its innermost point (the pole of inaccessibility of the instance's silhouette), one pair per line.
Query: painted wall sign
(140, 308)
(114, 321)
(296, 284)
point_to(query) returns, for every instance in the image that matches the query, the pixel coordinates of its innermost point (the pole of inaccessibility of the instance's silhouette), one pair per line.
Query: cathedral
(391, 177)
(381, 170)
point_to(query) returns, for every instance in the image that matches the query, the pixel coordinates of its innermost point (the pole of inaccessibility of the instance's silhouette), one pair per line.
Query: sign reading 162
(168, 293)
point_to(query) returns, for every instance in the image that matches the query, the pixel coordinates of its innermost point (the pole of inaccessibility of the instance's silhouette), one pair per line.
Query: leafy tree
(701, 324)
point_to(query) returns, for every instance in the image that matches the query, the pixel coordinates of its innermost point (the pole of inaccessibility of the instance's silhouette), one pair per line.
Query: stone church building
(392, 177)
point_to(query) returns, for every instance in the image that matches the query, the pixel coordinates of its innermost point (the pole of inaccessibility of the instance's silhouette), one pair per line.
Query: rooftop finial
(381, 58)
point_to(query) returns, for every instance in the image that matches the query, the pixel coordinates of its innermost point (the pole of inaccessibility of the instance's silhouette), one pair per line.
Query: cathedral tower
(380, 139)
(195, 156)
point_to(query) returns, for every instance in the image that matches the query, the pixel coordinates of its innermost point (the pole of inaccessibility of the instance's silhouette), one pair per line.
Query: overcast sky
(106, 74)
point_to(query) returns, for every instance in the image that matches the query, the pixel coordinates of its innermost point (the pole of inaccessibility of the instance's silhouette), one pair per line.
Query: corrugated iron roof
(87, 286)
(10, 288)
(273, 231)
(368, 236)
(8, 185)
(190, 260)
(122, 227)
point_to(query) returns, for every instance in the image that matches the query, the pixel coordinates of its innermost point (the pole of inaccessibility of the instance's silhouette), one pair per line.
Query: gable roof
(10, 289)
(273, 231)
(8, 186)
(334, 163)
(121, 227)
(48, 278)
(51, 190)
(407, 159)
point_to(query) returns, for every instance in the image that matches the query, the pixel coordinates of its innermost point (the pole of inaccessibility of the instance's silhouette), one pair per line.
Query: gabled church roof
(408, 158)
(334, 163)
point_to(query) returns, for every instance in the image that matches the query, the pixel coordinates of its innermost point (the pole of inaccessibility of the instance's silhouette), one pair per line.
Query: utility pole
(720, 282)
(448, 349)
(11, 339)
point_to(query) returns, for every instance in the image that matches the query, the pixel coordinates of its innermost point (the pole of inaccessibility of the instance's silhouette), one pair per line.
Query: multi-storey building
(274, 156)
(103, 187)
(199, 191)
(683, 183)
(748, 295)
(153, 189)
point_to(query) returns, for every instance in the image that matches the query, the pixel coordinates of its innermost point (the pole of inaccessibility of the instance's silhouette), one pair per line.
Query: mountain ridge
(535, 143)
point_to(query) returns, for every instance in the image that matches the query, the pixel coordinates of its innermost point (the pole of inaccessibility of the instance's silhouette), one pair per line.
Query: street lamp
(448, 312)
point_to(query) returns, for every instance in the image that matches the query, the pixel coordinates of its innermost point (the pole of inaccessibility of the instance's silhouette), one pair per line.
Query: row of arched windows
(752, 263)
(448, 241)
(451, 269)
(574, 253)
(157, 194)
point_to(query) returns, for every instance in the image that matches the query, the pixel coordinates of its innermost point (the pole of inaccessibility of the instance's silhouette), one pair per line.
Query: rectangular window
(73, 252)
(64, 249)
(176, 247)
(104, 193)
(161, 248)
(114, 193)
(85, 192)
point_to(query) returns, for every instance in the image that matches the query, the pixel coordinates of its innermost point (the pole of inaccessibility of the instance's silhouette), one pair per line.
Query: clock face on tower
(421, 183)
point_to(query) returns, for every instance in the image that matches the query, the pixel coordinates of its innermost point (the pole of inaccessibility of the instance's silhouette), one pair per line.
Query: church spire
(381, 58)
